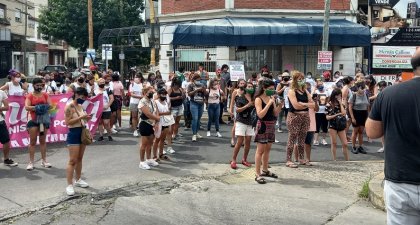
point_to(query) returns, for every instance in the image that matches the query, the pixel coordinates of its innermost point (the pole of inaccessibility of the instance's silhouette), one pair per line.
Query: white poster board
(237, 70)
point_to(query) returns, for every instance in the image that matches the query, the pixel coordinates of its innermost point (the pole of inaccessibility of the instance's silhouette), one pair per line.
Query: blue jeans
(214, 113)
(196, 113)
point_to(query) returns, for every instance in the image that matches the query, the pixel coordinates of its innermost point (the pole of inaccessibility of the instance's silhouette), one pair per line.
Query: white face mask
(17, 79)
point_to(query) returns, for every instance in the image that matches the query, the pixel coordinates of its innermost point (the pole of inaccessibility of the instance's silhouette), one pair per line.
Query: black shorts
(146, 129)
(4, 133)
(309, 137)
(360, 116)
(32, 123)
(165, 127)
(106, 115)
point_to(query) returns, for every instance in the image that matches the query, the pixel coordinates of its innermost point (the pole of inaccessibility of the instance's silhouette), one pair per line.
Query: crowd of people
(258, 107)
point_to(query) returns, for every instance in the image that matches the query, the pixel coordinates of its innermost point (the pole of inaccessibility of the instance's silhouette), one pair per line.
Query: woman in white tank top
(14, 87)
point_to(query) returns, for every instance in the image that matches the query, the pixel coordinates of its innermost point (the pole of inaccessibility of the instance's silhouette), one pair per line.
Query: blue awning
(270, 31)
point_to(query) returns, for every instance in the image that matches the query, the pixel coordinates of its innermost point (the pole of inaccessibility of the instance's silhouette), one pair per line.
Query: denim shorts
(177, 111)
(74, 137)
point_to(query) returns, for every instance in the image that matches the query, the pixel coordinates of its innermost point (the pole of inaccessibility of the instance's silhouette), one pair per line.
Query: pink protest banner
(16, 118)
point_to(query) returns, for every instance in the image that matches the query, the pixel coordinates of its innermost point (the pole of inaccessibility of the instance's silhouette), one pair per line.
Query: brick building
(301, 56)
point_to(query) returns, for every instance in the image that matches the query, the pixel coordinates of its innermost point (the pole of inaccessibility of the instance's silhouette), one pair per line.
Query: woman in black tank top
(298, 118)
(267, 107)
(176, 96)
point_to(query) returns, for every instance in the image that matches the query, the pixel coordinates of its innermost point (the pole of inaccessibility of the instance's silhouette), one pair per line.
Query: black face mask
(80, 80)
(286, 78)
(242, 88)
(38, 89)
(101, 85)
(107, 82)
(162, 98)
(87, 81)
(150, 95)
(23, 80)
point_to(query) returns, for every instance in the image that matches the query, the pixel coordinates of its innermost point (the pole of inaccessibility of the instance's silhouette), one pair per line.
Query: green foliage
(364, 193)
(67, 19)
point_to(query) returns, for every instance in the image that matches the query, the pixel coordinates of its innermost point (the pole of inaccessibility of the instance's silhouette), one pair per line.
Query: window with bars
(311, 58)
(2, 11)
(256, 57)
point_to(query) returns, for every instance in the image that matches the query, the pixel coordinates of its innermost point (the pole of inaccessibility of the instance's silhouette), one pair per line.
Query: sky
(401, 7)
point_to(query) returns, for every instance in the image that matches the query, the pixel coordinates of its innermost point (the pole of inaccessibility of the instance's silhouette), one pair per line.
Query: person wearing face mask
(151, 78)
(136, 89)
(187, 111)
(176, 95)
(14, 87)
(149, 118)
(334, 110)
(243, 124)
(358, 107)
(37, 105)
(321, 119)
(267, 109)
(49, 87)
(232, 109)
(91, 85)
(298, 120)
(104, 122)
(79, 82)
(165, 123)
(197, 92)
(215, 96)
(76, 118)
(282, 90)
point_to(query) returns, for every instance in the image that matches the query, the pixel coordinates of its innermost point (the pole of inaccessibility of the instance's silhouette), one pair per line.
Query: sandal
(245, 163)
(156, 159)
(305, 163)
(269, 174)
(260, 179)
(291, 165)
(164, 157)
(233, 165)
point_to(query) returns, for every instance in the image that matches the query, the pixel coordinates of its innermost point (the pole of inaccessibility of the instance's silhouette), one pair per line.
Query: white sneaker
(218, 135)
(70, 190)
(199, 136)
(180, 135)
(164, 152)
(276, 141)
(316, 143)
(381, 150)
(136, 133)
(30, 167)
(81, 183)
(324, 142)
(279, 131)
(194, 138)
(46, 164)
(152, 162)
(170, 150)
(105, 132)
(208, 134)
(143, 165)
(114, 131)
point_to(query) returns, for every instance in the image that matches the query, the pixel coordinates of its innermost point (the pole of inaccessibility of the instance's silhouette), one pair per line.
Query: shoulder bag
(86, 135)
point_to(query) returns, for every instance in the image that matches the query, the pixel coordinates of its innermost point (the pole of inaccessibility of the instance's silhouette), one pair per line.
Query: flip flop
(291, 165)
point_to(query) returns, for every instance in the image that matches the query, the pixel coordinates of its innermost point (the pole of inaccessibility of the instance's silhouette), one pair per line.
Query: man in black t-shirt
(396, 116)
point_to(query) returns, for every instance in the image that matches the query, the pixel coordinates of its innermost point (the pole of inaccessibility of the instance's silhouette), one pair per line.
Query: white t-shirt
(3, 96)
(286, 98)
(89, 87)
(322, 100)
(105, 99)
(135, 89)
(15, 90)
(184, 87)
(168, 84)
(166, 120)
(63, 89)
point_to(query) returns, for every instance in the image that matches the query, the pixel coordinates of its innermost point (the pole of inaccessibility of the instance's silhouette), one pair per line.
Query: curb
(376, 191)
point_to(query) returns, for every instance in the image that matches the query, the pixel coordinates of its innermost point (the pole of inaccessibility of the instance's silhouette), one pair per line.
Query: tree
(67, 19)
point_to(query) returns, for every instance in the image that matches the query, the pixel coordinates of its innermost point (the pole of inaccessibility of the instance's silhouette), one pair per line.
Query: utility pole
(152, 26)
(90, 24)
(326, 31)
(24, 40)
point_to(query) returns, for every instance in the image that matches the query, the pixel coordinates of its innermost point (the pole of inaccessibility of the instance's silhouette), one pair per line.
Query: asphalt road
(108, 165)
